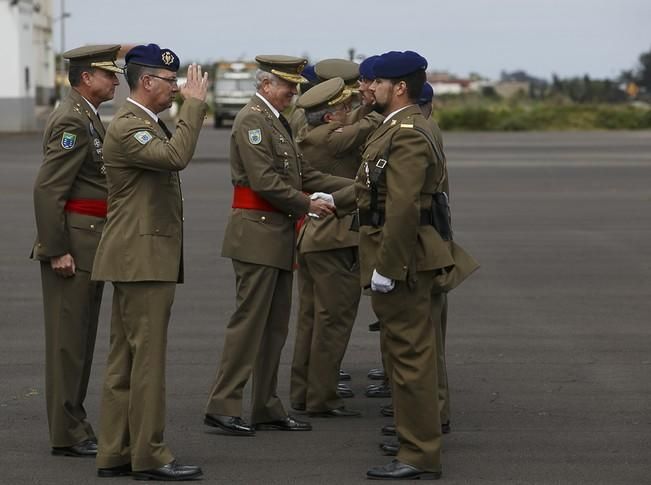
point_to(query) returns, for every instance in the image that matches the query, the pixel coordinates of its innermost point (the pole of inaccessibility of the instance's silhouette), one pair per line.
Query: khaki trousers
(132, 411)
(329, 293)
(71, 310)
(439, 303)
(441, 324)
(254, 340)
(409, 340)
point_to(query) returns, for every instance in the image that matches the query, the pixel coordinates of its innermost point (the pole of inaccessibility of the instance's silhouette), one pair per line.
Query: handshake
(321, 205)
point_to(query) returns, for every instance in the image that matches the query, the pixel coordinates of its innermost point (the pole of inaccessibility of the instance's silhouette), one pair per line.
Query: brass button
(157, 230)
(92, 226)
(263, 218)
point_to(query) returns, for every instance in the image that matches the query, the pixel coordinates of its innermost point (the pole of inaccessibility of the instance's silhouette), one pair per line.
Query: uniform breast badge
(255, 136)
(143, 137)
(68, 140)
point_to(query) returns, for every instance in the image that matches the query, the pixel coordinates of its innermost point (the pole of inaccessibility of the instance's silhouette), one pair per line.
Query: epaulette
(131, 116)
(256, 108)
(407, 123)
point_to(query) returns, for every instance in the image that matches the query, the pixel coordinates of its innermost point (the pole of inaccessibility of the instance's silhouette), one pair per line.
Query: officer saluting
(70, 208)
(141, 253)
(404, 247)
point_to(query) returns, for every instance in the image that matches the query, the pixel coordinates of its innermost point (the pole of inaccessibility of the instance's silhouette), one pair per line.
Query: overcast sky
(568, 37)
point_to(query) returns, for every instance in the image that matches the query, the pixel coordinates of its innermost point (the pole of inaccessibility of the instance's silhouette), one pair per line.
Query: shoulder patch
(255, 136)
(68, 140)
(256, 108)
(143, 137)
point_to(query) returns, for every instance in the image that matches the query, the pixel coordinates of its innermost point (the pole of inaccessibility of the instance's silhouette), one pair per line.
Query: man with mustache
(141, 252)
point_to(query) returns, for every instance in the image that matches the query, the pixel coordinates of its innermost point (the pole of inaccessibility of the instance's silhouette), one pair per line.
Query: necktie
(166, 130)
(285, 123)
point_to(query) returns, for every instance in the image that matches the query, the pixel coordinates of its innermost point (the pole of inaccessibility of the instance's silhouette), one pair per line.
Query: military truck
(233, 87)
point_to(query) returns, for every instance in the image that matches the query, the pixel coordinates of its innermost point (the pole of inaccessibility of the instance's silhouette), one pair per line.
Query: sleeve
(259, 163)
(315, 181)
(65, 148)
(405, 174)
(150, 152)
(344, 138)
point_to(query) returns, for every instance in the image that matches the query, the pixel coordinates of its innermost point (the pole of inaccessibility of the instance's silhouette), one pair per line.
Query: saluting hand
(196, 85)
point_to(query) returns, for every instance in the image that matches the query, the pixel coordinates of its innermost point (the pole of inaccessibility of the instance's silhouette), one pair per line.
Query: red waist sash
(88, 207)
(245, 198)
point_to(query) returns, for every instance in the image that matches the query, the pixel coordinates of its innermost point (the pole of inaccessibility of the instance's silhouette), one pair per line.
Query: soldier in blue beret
(406, 257)
(141, 252)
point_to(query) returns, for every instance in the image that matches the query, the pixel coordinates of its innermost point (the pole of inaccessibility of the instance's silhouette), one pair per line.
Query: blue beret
(395, 64)
(310, 74)
(426, 94)
(152, 55)
(366, 68)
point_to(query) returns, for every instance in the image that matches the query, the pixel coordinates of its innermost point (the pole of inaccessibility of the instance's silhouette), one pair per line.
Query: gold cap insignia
(168, 58)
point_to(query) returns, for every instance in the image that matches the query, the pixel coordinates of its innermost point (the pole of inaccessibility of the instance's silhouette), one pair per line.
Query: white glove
(380, 283)
(323, 196)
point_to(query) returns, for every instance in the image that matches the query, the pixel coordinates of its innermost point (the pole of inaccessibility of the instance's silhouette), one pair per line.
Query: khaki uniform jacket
(413, 172)
(69, 172)
(335, 149)
(265, 158)
(143, 237)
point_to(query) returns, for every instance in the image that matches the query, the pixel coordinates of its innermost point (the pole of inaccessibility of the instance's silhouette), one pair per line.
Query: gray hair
(315, 117)
(261, 76)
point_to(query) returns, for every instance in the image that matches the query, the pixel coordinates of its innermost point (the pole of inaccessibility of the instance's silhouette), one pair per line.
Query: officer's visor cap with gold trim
(97, 56)
(343, 68)
(288, 68)
(151, 55)
(328, 93)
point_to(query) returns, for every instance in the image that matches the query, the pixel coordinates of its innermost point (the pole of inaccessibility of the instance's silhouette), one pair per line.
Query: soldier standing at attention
(328, 263)
(70, 209)
(401, 253)
(141, 253)
(269, 177)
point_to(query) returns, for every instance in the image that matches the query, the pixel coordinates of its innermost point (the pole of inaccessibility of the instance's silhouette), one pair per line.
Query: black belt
(366, 218)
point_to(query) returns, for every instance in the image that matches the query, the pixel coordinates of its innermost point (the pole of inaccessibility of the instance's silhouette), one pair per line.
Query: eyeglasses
(171, 80)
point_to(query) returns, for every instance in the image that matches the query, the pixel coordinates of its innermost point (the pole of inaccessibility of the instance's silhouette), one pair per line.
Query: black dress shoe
(232, 425)
(374, 327)
(379, 390)
(388, 430)
(85, 448)
(376, 374)
(172, 472)
(446, 427)
(343, 375)
(344, 391)
(390, 448)
(115, 471)
(400, 471)
(336, 413)
(288, 423)
(387, 411)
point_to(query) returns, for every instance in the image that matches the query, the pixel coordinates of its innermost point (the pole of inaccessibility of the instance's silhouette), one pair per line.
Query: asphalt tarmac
(549, 344)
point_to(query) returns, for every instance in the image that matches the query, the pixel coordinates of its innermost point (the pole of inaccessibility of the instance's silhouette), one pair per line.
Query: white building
(26, 37)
